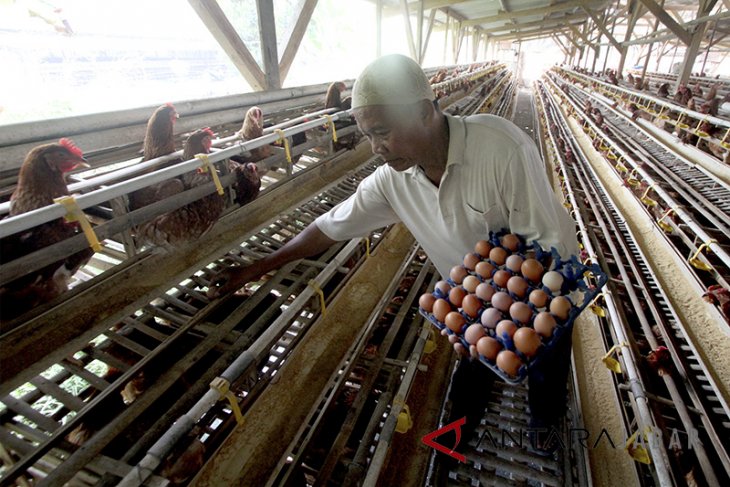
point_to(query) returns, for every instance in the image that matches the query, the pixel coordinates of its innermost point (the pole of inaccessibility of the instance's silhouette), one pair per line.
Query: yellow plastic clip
(645, 199)
(567, 205)
(206, 166)
(75, 214)
(661, 115)
(367, 246)
(430, 345)
(611, 363)
(664, 225)
(619, 166)
(315, 285)
(223, 387)
(598, 310)
(699, 132)
(638, 451)
(331, 123)
(285, 141)
(724, 141)
(611, 155)
(680, 124)
(404, 422)
(631, 180)
(695, 259)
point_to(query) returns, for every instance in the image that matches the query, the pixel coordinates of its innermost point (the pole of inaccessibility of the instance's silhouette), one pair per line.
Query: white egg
(553, 280)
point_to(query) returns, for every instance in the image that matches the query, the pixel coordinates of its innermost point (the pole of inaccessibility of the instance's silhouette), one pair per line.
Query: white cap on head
(391, 80)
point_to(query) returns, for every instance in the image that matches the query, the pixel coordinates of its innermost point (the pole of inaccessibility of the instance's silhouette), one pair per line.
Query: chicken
(663, 91)
(333, 99)
(185, 459)
(41, 179)
(691, 104)
(660, 360)
(158, 141)
(638, 83)
(720, 297)
(697, 90)
(712, 93)
(711, 107)
(630, 79)
(194, 219)
(247, 184)
(253, 128)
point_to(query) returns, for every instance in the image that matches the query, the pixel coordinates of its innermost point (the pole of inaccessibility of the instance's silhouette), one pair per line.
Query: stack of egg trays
(573, 272)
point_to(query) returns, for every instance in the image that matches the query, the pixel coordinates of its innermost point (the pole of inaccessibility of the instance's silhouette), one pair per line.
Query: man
(450, 180)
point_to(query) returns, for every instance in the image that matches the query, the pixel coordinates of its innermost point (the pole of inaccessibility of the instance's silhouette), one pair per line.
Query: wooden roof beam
(295, 39)
(667, 20)
(269, 52)
(599, 23)
(544, 21)
(218, 24)
(526, 12)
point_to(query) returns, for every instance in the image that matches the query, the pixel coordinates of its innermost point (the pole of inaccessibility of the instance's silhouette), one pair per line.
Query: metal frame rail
(696, 199)
(686, 119)
(641, 319)
(179, 316)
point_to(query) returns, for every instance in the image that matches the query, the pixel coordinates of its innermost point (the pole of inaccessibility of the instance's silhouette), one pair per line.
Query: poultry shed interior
(240, 244)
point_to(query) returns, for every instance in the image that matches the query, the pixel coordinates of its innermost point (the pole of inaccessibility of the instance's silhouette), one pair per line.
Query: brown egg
(460, 349)
(498, 255)
(473, 351)
(457, 274)
(485, 291)
(560, 307)
(470, 261)
(506, 327)
(521, 312)
(456, 296)
(484, 269)
(482, 248)
(471, 305)
(544, 324)
(517, 286)
(426, 302)
(511, 241)
(509, 362)
(527, 341)
(455, 321)
(440, 309)
(473, 333)
(502, 301)
(514, 263)
(490, 317)
(532, 270)
(443, 287)
(470, 283)
(501, 277)
(539, 298)
(488, 347)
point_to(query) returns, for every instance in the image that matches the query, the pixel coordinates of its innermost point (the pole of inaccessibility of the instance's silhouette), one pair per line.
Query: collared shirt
(494, 179)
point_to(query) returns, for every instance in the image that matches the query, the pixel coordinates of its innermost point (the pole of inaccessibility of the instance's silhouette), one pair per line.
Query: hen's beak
(84, 163)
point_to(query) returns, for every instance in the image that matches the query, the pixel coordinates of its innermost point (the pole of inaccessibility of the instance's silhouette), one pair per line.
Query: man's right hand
(232, 279)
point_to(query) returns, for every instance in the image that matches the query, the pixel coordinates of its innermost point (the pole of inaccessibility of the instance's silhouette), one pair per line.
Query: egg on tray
(501, 304)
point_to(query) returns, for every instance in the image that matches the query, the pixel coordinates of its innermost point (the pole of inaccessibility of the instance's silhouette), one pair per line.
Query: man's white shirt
(494, 179)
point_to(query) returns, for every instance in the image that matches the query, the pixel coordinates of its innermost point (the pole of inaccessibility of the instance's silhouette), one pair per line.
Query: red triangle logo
(428, 440)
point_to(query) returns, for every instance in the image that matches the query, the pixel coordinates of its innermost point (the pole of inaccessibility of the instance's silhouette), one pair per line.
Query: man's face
(397, 136)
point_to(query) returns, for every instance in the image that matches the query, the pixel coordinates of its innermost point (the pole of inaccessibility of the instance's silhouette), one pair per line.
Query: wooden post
(269, 53)
(378, 28)
(648, 51)
(220, 27)
(296, 37)
(409, 29)
(693, 47)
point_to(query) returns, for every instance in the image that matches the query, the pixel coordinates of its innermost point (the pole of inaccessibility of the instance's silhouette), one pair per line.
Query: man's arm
(308, 243)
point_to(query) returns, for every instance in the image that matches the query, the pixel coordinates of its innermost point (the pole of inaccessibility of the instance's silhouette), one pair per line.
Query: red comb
(71, 147)
(208, 131)
(170, 105)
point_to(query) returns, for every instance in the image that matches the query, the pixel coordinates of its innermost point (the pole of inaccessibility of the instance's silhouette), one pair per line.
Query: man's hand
(232, 279)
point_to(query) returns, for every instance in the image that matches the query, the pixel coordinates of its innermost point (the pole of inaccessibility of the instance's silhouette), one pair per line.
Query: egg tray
(573, 272)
